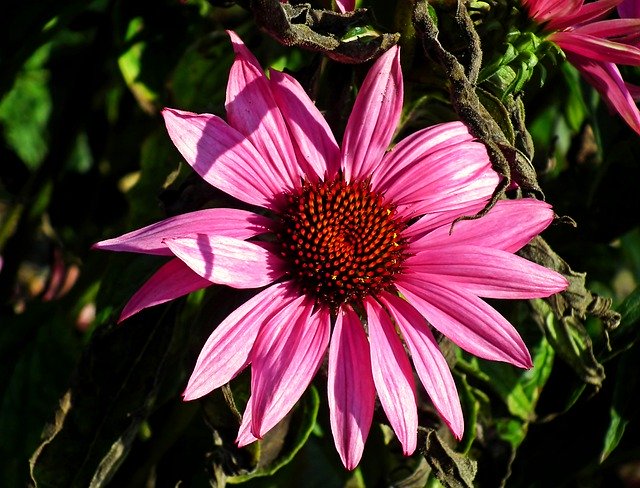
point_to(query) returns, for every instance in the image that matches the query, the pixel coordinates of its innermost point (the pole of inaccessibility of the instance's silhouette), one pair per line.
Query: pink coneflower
(596, 46)
(354, 246)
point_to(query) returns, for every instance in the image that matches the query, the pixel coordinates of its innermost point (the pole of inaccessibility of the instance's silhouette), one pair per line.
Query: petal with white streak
(489, 273)
(508, 226)
(227, 349)
(227, 261)
(223, 157)
(374, 117)
(252, 110)
(392, 376)
(228, 222)
(284, 360)
(312, 136)
(350, 387)
(468, 321)
(430, 364)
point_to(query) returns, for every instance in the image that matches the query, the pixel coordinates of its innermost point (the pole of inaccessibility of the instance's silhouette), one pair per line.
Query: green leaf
(498, 111)
(504, 380)
(200, 77)
(158, 160)
(470, 408)
(452, 469)
(575, 107)
(534, 379)
(571, 341)
(512, 430)
(625, 399)
(628, 332)
(116, 387)
(39, 348)
(25, 110)
(130, 63)
(279, 446)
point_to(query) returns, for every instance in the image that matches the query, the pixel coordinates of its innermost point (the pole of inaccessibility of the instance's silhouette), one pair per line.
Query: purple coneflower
(352, 249)
(596, 46)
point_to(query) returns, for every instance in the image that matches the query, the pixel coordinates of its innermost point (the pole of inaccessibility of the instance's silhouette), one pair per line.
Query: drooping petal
(488, 273)
(316, 145)
(619, 30)
(245, 437)
(467, 321)
(589, 12)
(252, 110)
(392, 376)
(508, 226)
(174, 279)
(227, 261)
(430, 364)
(417, 146)
(222, 156)
(606, 78)
(596, 49)
(448, 179)
(227, 349)
(350, 387)
(285, 358)
(227, 222)
(374, 117)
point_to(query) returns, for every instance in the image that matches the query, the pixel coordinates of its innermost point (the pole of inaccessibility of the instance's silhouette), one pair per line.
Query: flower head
(353, 248)
(595, 47)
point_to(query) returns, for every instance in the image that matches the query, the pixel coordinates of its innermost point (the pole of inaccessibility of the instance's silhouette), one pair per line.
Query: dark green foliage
(85, 401)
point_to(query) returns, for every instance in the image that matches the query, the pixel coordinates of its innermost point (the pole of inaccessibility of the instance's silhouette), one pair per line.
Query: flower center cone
(341, 240)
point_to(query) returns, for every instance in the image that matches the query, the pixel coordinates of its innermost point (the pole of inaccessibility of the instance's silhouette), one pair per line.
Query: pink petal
(227, 349)
(489, 273)
(468, 321)
(432, 368)
(586, 13)
(430, 221)
(448, 179)
(252, 110)
(245, 437)
(418, 146)
(620, 30)
(508, 226)
(285, 358)
(606, 78)
(227, 261)
(227, 222)
(317, 148)
(597, 49)
(222, 156)
(374, 117)
(174, 279)
(350, 388)
(392, 376)
(346, 5)
(543, 10)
